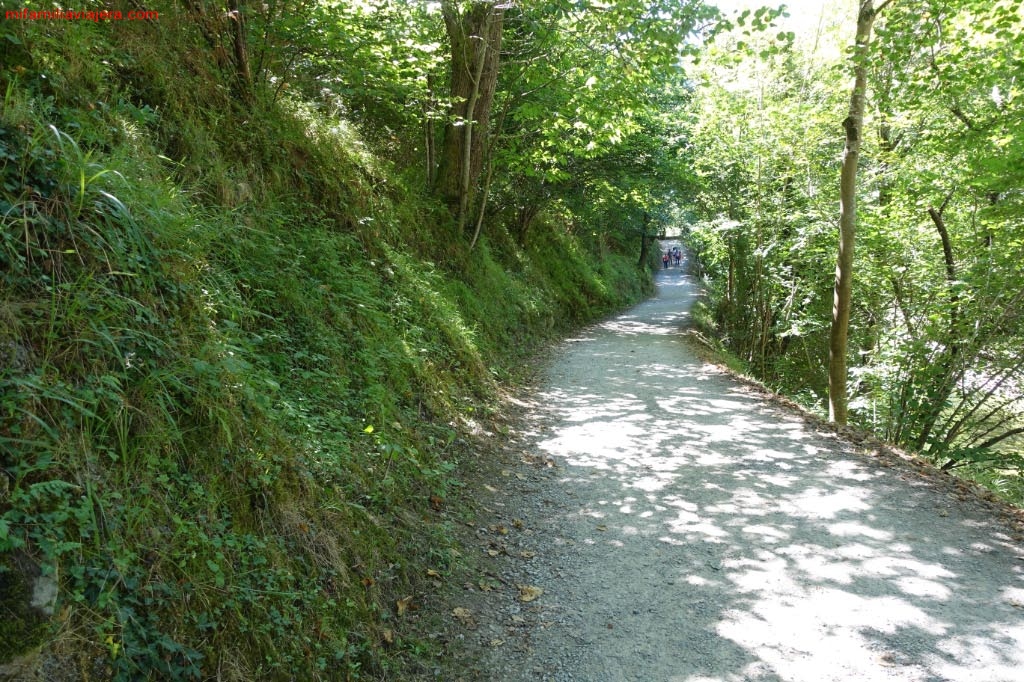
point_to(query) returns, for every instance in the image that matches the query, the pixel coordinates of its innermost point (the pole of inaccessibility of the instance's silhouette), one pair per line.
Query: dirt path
(664, 522)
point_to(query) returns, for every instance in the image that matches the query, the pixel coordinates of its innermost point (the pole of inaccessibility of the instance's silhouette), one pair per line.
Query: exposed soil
(650, 517)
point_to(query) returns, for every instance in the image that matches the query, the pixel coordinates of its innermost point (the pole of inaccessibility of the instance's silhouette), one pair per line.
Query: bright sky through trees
(807, 18)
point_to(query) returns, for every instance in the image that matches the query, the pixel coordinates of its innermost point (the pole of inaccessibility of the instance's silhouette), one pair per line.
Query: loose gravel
(658, 519)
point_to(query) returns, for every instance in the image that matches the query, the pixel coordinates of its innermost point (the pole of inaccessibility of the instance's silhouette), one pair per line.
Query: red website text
(26, 14)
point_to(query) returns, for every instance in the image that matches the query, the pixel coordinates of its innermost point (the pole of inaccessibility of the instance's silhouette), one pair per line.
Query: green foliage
(765, 196)
(373, 61)
(583, 77)
(935, 334)
(236, 350)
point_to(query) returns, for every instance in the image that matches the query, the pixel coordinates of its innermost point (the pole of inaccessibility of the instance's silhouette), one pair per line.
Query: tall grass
(234, 367)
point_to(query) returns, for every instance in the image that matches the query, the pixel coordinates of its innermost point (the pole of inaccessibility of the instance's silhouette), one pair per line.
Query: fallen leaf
(436, 502)
(517, 523)
(529, 592)
(367, 582)
(493, 553)
(496, 642)
(431, 573)
(602, 527)
(403, 605)
(463, 615)
(389, 636)
(527, 554)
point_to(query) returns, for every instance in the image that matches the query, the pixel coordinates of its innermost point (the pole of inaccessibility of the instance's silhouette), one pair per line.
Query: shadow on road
(709, 535)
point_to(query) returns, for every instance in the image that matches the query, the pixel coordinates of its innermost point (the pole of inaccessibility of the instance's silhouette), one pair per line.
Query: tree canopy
(623, 116)
(936, 279)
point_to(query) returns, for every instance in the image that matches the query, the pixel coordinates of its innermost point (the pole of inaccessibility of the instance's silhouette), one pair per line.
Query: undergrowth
(997, 471)
(233, 369)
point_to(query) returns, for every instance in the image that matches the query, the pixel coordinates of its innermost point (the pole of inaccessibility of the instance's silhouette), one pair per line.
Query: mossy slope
(236, 352)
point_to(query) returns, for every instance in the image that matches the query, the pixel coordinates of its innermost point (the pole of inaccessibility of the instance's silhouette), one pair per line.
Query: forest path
(686, 528)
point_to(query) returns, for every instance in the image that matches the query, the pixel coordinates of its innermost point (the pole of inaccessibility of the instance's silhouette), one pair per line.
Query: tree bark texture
(214, 26)
(239, 41)
(475, 38)
(854, 123)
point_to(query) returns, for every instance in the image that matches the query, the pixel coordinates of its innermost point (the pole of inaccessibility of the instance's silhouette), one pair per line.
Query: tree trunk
(947, 364)
(240, 48)
(213, 26)
(730, 293)
(488, 163)
(837, 399)
(644, 241)
(475, 37)
(428, 132)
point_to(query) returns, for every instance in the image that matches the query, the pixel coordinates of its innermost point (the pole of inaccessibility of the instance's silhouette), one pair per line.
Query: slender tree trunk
(644, 241)
(428, 132)
(837, 399)
(240, 47)
(488, 162)
(730, 293)
(524, 217)
(475, 37)
(213, 26)
(483, 207)
(467, 175)
(948, 363)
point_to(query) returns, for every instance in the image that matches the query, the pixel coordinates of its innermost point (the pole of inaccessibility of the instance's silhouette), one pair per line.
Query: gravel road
(664, 521)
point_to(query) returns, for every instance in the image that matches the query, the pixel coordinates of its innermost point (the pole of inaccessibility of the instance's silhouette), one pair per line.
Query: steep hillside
(237, 352)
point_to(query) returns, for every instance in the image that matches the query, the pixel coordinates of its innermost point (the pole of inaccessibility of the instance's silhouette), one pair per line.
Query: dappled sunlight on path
(710, 535)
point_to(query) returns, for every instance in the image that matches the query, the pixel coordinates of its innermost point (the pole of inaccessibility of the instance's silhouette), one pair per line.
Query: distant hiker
(678, 255)
(664, 260)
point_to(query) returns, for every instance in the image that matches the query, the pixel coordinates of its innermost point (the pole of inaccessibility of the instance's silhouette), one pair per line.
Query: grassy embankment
(236, 352)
